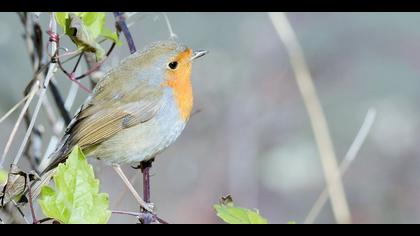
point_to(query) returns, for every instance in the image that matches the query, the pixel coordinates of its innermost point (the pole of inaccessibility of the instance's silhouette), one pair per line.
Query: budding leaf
(84, 28)
(237, 215)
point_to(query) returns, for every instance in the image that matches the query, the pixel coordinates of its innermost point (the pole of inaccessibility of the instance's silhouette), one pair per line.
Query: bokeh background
(252, 137)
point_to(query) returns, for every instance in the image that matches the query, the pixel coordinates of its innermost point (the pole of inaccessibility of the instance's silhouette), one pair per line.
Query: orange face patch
(179, 81)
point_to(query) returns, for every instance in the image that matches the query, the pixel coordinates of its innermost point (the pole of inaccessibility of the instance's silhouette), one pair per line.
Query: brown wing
(103, 117)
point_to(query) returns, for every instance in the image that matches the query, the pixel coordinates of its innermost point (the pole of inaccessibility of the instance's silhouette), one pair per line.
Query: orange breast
(179, 81)
(183, 95)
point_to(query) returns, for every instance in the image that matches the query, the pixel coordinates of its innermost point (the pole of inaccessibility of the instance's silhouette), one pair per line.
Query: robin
(137, 110)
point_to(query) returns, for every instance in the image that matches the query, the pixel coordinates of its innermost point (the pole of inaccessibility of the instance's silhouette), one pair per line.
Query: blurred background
(252, 137)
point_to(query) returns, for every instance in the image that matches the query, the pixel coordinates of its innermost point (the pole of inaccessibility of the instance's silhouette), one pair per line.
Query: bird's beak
(198, 54)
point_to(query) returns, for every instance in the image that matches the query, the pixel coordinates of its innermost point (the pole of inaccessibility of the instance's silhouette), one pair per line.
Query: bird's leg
(145, 167)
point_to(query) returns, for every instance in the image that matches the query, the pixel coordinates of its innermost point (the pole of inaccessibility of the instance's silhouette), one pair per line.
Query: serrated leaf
(237, 215)
(75, 198)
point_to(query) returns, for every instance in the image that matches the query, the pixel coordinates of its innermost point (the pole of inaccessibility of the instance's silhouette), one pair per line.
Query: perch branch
(142, 203)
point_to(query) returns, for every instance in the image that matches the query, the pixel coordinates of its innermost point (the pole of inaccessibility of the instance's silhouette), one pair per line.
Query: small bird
(137, 110)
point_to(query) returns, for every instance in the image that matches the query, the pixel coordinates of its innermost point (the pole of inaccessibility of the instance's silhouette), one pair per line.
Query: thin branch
(92, 68)
(316, 115)
(31, 206)
(140, 215)
(71, 76)
(20, 212)
(52, 118)
(60, 103)
(45, 220)
(172, 35)
(77, 53)
(34, 89)
(122, 26)
(34, 40)
(142, 203)
(120, 197)
(345, 164)
(13, 108)
(97, 66)
(50, 74)
(67, 105)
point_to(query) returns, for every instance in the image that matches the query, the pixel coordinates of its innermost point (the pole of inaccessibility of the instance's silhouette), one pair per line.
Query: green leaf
(94, 21)
(237, 215)
(107, 33)
(84, 28)
(61, 18)
(83, 36)
(3, 177)
(76, 198)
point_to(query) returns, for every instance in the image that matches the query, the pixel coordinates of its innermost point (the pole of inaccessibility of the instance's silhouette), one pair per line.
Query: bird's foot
(144, 164)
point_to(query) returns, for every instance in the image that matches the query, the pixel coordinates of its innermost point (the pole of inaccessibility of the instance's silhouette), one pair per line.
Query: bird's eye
(173, 65)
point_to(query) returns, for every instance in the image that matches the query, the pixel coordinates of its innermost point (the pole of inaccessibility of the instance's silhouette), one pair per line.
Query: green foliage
(3, 177)
(237, 215)
(76, 199)
(84, 28)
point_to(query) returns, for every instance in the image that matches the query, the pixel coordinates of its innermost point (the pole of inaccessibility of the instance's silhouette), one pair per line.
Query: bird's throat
(183, 95)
